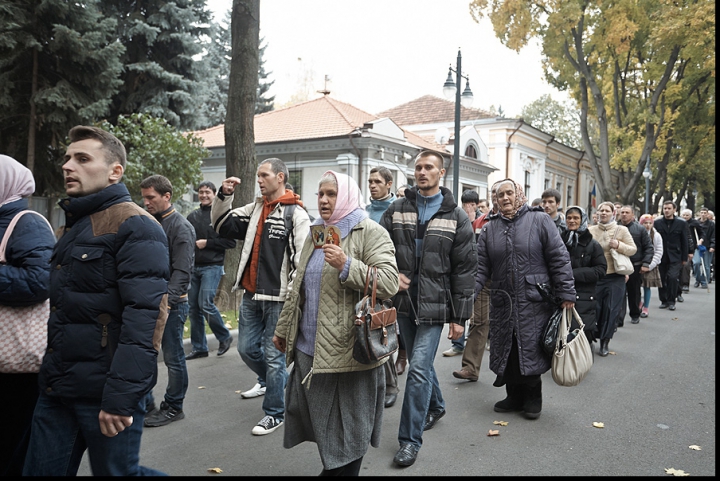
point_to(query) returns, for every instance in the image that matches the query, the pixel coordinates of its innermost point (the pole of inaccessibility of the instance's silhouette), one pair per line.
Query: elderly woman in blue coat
(518, 248)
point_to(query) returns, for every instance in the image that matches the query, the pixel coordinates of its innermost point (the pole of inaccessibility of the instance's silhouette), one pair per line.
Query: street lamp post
(450, 89)
(648, 175)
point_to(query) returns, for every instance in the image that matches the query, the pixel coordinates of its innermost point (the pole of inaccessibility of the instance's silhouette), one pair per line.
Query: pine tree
(59, 67)
(161, 77)
(213, 108)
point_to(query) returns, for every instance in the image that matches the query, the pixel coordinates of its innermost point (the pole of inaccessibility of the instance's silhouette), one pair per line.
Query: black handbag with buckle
(376, 334)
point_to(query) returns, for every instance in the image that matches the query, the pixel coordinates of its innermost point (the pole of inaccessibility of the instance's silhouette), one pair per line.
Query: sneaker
(704, 286)
(685, 288)
(697, 284)
(164, 415)
(634, 320)
(680, 298)
(663, 305)
(644, 312)
(671, 307)
(257, 390)
(267, 425)
(453, 351)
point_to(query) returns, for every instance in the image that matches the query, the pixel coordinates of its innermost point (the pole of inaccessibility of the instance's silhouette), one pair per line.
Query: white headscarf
(16, 180)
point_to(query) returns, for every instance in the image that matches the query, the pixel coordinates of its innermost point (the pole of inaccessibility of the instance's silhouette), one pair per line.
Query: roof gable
(429, 109)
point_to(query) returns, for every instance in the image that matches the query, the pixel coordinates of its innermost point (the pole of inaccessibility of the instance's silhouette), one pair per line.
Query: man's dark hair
(114, 149)
(670, 202)
(470, 195)
(209, 185)
(428, 153)
(384, 173)
(160, 183)
(278, 166)
(551, 193)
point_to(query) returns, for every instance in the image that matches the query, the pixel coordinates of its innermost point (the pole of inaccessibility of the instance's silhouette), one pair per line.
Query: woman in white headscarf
(331, 399)
(24, 281)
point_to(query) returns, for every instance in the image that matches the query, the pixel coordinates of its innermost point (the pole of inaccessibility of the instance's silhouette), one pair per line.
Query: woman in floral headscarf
(24, 281)
(519, 248)
(331, 399)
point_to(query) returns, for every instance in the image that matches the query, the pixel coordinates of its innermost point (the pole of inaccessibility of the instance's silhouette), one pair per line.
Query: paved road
(655, 395)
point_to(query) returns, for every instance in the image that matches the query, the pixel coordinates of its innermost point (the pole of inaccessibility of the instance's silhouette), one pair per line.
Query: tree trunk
(32, 124)
(239, 129)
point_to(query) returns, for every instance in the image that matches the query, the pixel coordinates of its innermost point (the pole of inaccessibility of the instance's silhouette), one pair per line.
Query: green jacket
(367, 244)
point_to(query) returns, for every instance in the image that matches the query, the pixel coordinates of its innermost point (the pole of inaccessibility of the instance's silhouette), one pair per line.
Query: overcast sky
(382, 53)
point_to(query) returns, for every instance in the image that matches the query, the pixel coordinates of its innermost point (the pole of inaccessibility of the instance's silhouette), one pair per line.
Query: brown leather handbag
(376, 335)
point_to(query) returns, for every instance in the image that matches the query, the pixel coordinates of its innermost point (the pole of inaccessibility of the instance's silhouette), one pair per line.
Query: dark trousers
(633, 289)
(670, 275)
(18, 396)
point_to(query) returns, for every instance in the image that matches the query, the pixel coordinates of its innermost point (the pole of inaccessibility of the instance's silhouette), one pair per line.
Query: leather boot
(604, 351)
(514, 400)
(401, 361)
(533, 400)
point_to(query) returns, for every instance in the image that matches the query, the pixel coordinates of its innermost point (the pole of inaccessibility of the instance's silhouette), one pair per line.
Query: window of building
(547, 184)
(295, 178)
(527, 183)
(471, 151)
(558, 186)
(568, 198)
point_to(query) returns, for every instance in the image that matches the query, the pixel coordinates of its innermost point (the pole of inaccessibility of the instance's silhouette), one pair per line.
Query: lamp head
(466, 99)
(449, 86)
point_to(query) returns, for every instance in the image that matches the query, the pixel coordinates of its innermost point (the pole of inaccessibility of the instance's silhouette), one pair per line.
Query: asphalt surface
(654, 393)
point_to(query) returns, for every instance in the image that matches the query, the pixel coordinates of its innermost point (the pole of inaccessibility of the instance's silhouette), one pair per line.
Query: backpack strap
(11, 227)
(289, 231)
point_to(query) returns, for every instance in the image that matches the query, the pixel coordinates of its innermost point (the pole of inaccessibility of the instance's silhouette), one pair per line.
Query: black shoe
(533, 401)
(224, 346)
(634, 320)
(390, 399)
(604, 350)
(163, 416)
(431, 419)
(680, 298)
(513, 402)
(196, 355)
(697, 284)
(406, 455)
(663, 306)
(685, 289)
(621, 323)
(671, 307)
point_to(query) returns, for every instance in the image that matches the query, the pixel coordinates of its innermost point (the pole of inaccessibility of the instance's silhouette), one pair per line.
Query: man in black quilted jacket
(108, 307)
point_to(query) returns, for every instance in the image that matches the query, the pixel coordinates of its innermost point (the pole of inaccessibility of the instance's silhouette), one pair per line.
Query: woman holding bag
(24, 281)
(332, 399)
(611, 288)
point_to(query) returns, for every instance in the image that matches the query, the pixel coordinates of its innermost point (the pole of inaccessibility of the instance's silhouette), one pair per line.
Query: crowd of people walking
(119, 282)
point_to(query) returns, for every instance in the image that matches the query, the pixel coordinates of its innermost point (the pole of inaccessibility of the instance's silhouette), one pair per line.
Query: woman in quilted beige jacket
(330, 398)
(611, 288)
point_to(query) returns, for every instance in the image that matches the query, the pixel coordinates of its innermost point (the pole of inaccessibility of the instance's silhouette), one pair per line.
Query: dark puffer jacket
(447, 262)
(108, 302)
(515, 254)
(24, 280)
(588, 267)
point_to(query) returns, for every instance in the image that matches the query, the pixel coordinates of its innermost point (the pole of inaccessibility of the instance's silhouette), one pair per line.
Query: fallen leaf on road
(613, 353)
(676, 472)
(201, 387)
(599, 425)
(695, 447)
(501, 423)
(238, 392)
(215, 470)
(493, 432)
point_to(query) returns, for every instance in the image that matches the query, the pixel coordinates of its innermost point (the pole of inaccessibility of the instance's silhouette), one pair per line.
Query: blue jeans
(201, 298)
(422, 390)
(174, 357)
(701, 275)
(64, 428)
(256, 328)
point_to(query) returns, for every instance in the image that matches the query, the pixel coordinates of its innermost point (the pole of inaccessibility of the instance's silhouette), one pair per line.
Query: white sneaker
(267, 425)
(257, 390)
(453, 351)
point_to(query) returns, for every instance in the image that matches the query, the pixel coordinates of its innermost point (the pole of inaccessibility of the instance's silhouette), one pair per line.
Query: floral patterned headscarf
(520, 198)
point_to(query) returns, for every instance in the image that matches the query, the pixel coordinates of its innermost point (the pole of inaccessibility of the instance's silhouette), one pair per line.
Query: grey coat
(515, 254)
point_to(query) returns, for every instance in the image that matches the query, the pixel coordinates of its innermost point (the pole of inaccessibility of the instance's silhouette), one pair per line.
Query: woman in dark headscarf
(588, 265)
(518, 248)
(24, 281)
